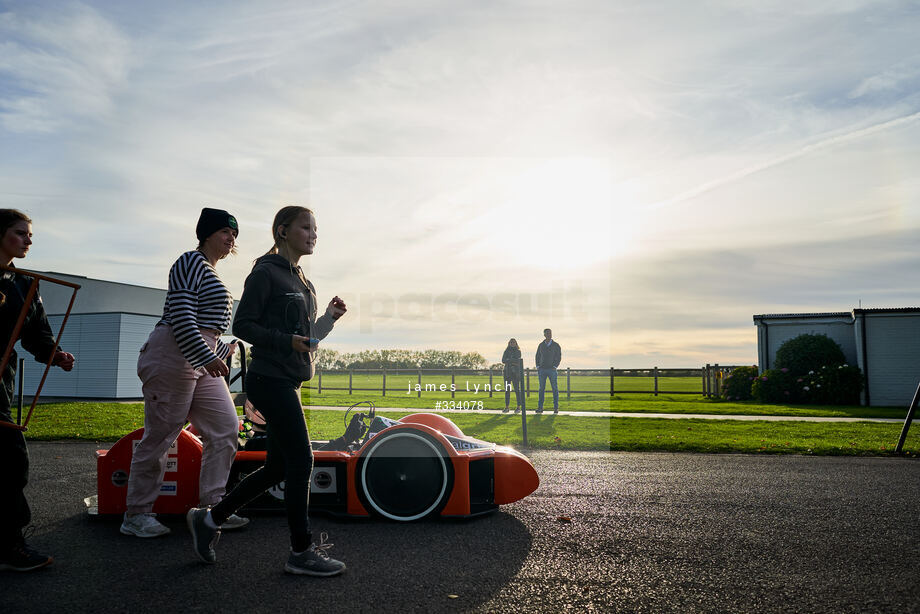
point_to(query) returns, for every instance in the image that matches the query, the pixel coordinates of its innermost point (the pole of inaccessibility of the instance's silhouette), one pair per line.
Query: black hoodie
(277, 304)
(35, 335)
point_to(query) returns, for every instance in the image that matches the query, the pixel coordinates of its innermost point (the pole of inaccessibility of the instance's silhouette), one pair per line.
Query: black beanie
(212, 220)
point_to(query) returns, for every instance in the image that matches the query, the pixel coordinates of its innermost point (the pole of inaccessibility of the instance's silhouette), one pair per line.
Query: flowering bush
(737, 385)
(809, 352)
(775, 386)
(832, 385)
(828, 385)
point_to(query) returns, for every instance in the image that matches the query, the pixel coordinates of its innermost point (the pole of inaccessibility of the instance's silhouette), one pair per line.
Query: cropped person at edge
(37, 339)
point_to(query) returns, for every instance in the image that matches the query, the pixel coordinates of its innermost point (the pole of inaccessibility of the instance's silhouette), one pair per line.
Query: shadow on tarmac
(407, 567)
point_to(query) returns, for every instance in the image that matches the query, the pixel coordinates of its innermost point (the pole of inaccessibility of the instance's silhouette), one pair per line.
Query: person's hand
(217, 368)
(336, 308)
(63, 360)
(233, 347)
(302, 344)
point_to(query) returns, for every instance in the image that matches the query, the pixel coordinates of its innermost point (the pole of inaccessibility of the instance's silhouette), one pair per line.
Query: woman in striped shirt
(182, 369)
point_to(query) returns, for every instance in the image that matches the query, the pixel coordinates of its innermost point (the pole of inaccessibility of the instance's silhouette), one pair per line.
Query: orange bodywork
(501, 475)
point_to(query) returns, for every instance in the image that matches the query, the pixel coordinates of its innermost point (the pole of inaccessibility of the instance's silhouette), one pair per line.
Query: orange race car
(421, 465)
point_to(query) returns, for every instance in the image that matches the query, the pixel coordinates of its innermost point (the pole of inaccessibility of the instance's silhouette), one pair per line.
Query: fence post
(716, 385)
(568, 383)
(22, 367)
(523, 400)
(528, 380)
(705, 371)
(420, 383)
(907, 420)
(490, 383)
(384, 382)
(319, 373)
(656, 381)
(611, 381)
(453, 383)
(351, 372)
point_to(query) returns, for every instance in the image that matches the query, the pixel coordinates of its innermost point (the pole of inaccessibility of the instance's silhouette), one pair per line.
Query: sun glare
(560, 213)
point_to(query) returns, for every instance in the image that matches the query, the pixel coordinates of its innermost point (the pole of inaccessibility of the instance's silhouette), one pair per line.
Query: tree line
(401, 359)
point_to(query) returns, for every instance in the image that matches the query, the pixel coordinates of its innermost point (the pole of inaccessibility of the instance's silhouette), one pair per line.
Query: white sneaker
(143, 525)
(234, 522)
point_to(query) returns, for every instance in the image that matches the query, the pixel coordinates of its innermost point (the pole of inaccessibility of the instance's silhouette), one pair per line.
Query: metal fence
(705, 381)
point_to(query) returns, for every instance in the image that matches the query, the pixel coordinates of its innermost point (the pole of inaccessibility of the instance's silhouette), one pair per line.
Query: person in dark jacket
(277, 315)
(511, 359)
(37, 339)
(549, 355)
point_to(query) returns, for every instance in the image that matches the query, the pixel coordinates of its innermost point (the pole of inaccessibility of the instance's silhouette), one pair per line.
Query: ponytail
(284, 217)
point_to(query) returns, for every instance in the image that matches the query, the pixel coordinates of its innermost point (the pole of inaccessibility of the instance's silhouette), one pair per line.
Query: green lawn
(631, 403)
(107, 422)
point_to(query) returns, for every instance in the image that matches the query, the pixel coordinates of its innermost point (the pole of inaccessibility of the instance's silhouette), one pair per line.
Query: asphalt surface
(604, 532)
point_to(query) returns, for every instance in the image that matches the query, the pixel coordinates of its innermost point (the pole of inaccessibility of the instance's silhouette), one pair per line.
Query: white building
(883, 343)
(107, 326)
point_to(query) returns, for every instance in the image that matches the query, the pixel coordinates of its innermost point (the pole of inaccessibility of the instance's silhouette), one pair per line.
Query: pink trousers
(173, 393)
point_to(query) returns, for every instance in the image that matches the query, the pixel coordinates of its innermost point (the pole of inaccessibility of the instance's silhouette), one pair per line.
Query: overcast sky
(642, 177)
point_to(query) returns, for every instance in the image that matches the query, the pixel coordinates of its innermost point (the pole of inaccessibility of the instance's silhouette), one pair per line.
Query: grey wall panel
(840, 330)
(93, 340)
(893, 355)
(134, 332)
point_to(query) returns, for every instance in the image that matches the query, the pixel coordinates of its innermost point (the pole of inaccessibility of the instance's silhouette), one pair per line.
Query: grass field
(107, 422)
(631, 403)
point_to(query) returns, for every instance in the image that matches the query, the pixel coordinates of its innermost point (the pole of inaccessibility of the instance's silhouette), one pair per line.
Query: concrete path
(618, 414)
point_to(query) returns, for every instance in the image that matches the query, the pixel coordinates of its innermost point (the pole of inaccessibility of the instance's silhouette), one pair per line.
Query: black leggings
(14, 509)
(289, 457)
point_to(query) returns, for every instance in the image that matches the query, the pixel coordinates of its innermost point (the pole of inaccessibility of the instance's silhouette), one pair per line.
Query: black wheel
(405, 475)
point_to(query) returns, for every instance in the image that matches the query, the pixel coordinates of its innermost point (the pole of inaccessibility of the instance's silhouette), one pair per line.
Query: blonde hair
(284, 217)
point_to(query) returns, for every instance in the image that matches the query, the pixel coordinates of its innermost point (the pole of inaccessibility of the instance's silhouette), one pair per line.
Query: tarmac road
(648, 532)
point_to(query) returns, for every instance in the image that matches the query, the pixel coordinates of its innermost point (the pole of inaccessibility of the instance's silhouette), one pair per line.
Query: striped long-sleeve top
(196, 299)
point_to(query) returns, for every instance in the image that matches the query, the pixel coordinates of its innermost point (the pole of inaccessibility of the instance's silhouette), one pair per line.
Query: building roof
(837, 314)
(788, 316)
(888, 310)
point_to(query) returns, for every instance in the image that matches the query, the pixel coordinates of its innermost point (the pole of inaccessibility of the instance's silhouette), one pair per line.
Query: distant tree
(401, 359)
(328, 359)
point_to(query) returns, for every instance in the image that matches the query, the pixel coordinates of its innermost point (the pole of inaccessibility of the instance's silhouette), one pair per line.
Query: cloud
(754, 154)
(59, 67)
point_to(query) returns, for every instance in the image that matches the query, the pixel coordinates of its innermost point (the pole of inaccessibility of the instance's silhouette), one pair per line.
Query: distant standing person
(36, 338)
(182, 369)
(549, 355)
(511, 359)
(277, 314)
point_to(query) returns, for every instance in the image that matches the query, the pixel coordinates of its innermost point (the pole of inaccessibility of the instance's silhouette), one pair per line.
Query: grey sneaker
(204, 538)
(315, 561)
(234, 522)
(143, 525)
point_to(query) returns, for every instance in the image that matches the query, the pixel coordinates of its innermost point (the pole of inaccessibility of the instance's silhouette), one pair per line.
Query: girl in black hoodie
(36, 338)
(277, 315)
